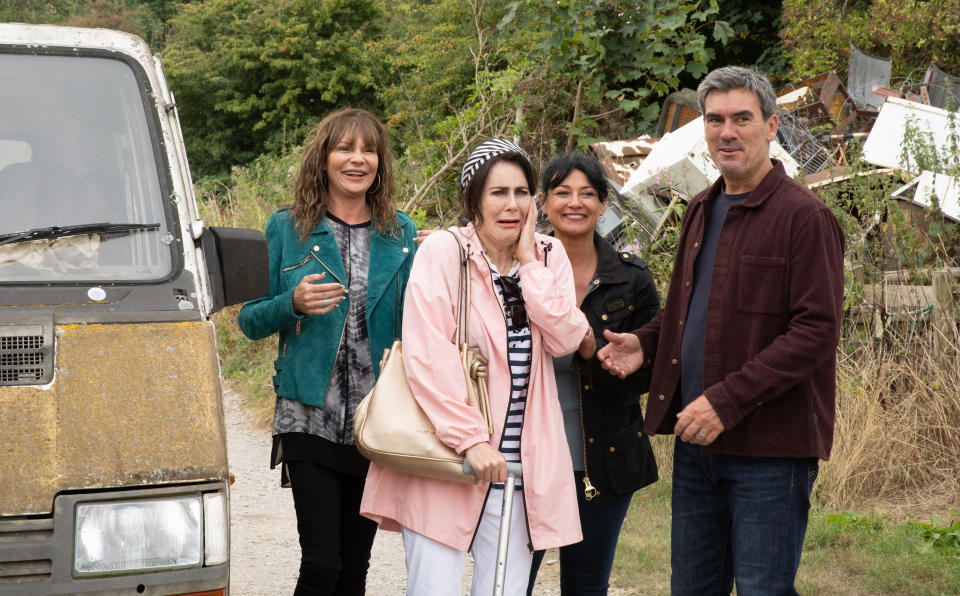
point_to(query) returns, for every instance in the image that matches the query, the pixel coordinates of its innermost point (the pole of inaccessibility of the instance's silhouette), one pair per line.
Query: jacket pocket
(761, 287)
(292, 273)
(628, 459)
(297, 265)
(613, 309)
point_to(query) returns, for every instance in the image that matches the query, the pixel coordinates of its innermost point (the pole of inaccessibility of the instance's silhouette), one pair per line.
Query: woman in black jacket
(602, 418)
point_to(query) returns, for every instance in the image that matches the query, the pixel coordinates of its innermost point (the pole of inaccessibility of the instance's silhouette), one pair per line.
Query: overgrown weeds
(897, 435)
(247, 202)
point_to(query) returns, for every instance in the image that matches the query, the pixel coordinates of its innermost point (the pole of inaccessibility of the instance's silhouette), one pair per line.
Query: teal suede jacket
(309, 344)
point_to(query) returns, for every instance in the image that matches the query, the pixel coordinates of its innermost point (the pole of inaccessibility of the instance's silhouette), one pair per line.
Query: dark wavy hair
(471, 195)
(311, 193)
(558, 168)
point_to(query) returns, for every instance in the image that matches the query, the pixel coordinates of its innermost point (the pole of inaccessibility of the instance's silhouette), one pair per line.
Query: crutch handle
(513, 469)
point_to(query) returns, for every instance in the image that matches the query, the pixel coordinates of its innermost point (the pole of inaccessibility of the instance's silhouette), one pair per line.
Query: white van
(113, 461)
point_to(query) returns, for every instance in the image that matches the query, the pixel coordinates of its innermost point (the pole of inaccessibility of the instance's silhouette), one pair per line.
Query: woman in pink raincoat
(523, 313)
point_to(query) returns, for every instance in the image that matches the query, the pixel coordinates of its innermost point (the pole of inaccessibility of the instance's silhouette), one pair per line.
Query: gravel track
(264, 549)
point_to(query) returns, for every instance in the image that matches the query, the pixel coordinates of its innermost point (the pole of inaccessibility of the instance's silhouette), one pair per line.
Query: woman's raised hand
(488, 463)
(526, 251)
(422, 234)
(311, 298)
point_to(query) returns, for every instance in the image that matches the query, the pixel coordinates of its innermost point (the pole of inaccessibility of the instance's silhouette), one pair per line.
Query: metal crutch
(506, 515)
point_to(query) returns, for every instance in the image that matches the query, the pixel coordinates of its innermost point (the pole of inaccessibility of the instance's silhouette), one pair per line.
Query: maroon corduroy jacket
(773, 322)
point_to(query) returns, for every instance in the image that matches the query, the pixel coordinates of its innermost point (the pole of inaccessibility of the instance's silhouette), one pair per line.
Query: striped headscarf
(484, 152)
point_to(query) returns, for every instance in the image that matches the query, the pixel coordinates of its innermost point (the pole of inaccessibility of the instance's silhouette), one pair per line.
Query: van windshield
(75, 150)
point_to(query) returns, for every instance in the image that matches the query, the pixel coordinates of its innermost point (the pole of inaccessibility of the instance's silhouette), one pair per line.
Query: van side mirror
(237, 265)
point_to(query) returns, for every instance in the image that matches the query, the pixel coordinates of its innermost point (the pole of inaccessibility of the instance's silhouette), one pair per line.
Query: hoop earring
(377, 189)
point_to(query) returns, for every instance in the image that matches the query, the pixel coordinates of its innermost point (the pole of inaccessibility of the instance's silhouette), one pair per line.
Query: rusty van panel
(129, 405)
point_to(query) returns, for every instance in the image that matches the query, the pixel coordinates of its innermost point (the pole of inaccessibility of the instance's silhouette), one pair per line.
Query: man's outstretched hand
(622, 355)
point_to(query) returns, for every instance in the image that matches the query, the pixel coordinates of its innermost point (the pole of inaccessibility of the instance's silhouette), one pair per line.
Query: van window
(76, 149)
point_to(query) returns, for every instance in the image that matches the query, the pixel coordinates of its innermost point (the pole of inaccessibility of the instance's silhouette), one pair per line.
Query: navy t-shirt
(691, 350)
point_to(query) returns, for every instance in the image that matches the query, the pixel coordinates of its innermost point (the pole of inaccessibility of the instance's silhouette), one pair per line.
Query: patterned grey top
(353, 370)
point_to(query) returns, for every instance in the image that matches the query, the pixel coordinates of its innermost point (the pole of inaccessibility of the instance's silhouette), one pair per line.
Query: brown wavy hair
(311, 193)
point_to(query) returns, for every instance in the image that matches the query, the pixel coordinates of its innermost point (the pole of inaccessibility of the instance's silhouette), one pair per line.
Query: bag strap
(463, 294)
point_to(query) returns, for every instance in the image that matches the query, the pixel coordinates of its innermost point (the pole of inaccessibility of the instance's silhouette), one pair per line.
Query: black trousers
(335, 540)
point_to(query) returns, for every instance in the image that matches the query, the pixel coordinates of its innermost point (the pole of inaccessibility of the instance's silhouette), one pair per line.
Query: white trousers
(434, 569)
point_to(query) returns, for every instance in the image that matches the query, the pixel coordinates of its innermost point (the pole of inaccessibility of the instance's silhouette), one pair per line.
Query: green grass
(246, 365)
(642, 564)
(845, 553)
(849, 553)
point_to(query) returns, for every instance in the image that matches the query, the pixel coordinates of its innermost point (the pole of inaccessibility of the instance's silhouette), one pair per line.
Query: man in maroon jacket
(743, 354)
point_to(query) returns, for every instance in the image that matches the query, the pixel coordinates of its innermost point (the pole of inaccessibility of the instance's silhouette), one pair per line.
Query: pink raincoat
(448, 512)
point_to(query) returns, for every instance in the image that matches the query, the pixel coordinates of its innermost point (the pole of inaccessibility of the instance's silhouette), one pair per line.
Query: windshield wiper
(103, 229)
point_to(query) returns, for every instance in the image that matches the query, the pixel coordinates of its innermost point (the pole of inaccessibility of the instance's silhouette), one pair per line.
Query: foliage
(627, 54)
(105, 13)
(144, 18)
(920, 152)
(250, 76)
(754, 39)
(656, 247)
(428, 52)
(246, 365)
(869, 553)
(940, 537)
(854, 519)
(884, 233)
(897, 432)
(492, 99)
(818, 33)
(252, 193)
(39, 11)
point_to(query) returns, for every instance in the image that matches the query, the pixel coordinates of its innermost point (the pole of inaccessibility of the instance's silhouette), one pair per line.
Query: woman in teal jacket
(339, 262)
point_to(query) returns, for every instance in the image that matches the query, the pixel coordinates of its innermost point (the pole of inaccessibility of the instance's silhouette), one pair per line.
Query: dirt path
(264, 550)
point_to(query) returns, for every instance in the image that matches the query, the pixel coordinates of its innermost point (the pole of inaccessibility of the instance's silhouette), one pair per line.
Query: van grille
(21, 541)
(22, 572)
(25, 355)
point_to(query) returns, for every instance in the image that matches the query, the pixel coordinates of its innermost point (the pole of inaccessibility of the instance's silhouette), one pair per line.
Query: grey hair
(729, 78)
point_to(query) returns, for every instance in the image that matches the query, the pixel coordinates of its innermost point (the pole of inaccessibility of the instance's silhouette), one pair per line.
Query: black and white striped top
(518, 356)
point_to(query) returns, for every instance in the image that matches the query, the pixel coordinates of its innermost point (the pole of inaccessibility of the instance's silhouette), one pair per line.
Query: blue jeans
(738, 519)
(585, 566)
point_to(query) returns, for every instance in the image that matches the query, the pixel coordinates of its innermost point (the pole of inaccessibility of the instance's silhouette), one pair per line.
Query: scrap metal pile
(819, 120)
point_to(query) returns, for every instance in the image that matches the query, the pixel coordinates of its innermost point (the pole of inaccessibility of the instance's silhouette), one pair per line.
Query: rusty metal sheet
(130, 405)
(677, 109)
(621, 158)
(820, 100)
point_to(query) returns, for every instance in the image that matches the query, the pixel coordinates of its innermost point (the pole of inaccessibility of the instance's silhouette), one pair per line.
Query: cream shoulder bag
(389, 426)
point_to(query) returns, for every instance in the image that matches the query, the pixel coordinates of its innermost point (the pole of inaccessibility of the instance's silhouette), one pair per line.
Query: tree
(144, 19)
(37, 11)
(628, 53)
(755, 38)
(817, 35)
(451, 87)
(114, 15)
(250, 77)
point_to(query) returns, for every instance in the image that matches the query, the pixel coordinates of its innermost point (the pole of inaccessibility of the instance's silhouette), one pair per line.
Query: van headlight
(137, 535)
